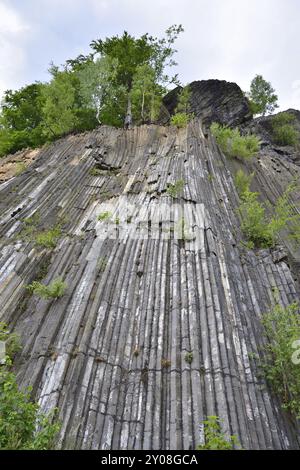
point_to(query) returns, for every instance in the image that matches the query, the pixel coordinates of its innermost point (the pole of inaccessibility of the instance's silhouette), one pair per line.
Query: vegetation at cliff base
(233, 144)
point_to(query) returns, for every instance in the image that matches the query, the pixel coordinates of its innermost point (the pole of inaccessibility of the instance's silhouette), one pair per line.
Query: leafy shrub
(22, 425)
(263, 230)
(55, 290)
(12, 340)
(180, 119)
(233, 144)
(175, 189)
(282, 328)
(284, 130)
(254, 221)
(49, 238)
(214, 438)
(243, 182)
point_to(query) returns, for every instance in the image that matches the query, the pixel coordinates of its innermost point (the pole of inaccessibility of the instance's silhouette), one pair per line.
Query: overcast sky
(226, 39)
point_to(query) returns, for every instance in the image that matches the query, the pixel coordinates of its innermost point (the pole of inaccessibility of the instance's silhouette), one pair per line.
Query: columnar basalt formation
(111, 354)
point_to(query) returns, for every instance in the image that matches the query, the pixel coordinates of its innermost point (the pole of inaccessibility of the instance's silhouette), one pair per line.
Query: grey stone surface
(110, 354)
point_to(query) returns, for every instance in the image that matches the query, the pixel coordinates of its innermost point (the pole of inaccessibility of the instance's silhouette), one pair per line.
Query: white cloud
(12, 52)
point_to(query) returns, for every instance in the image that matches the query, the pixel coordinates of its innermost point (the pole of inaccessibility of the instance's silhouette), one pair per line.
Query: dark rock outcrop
(214, 100)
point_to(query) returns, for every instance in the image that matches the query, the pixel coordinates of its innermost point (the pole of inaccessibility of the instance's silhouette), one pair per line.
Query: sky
(230, 40)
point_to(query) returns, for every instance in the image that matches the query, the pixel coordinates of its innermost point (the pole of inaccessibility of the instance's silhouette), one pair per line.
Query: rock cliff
(161, 321)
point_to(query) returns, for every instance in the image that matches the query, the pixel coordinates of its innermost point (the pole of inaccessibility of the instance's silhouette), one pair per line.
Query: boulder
(214, 100)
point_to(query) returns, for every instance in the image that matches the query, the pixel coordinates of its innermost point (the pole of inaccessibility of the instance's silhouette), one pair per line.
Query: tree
(21, 118)
(132, 53)
(58, 110)
(146, 94)
(263, 99)
(97, 88)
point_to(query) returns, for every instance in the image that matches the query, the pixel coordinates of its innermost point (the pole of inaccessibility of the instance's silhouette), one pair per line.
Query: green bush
(243, 182)
(55, 290)
(22, 425)
(262, 230)
(233, 144)
(284, 131)
(282, 328)
(180, 119)
(12, 340)
(255, 225)
(214, 438)
(49, 238)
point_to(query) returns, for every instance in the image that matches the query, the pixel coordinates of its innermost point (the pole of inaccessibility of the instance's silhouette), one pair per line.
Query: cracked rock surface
(112, 353)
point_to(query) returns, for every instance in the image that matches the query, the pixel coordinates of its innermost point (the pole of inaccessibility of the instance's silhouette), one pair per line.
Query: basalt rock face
(160, 325)
(214, 100)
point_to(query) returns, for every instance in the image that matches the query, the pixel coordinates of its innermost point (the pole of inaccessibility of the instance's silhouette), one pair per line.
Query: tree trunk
(128, 117)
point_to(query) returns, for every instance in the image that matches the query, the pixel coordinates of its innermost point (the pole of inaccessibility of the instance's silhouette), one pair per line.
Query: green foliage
(214, 437)
(189, 357)
(12, 340)
(21, 119)
(281, 366)
(263, 230)
(263, 99)
(182, 116)
(146, 94)
(243, 182)
(59, 116)
(175, 189)
(233, 144)
(99, 91)
(180, 120)
(55, 290)
(284, 131)
(104, 216)
(20, 168)
(255, 224)
(88, 91)
(22, 425)
(49, 238)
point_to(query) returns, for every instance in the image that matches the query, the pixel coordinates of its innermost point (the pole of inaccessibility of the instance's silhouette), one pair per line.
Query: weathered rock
(214, 100)
(111, 353)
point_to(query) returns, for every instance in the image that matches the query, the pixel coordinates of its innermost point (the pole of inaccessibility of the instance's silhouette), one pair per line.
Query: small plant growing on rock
(214, 438)
(281, 363)
(55, 290)
(165, 363)
(175, 189)
(233, 144)
(242, 182)
(189, 357)
(48, 238)
(104, 216)
(20, 168)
